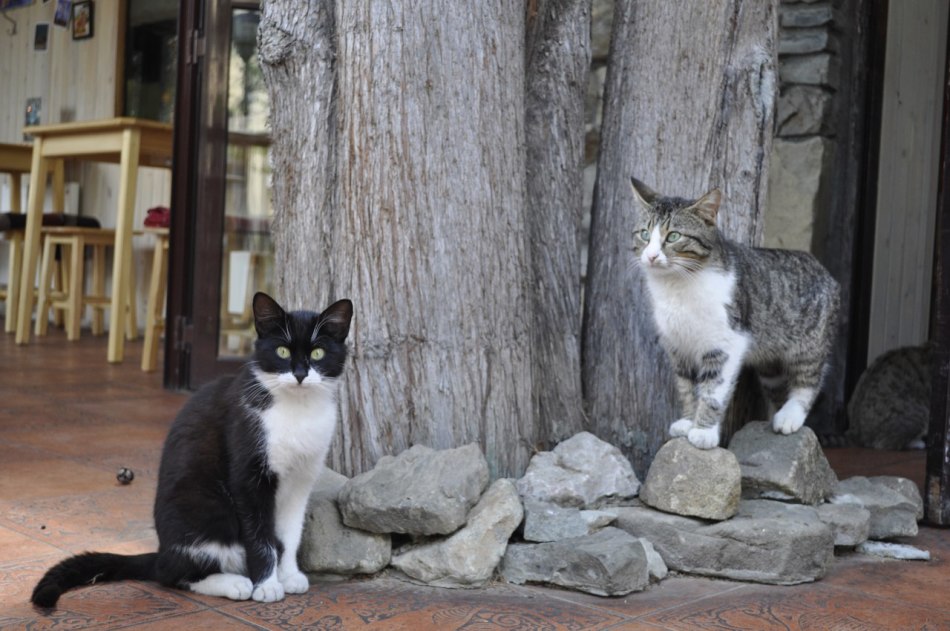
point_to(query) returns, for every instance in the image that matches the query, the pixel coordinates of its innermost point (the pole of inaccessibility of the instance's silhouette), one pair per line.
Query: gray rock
(655, 563)
(849, 522)
(583, 472)
(798, 186)
(468, 557)
(818, 69)
(550, 522)
(327, 546)
(420, 492)
(766, 542)
(806, 40)
(894, 551)
(607, 563)
(693, 482)
(783, 467)
(803, 15)
(803, 110)
(894, 505)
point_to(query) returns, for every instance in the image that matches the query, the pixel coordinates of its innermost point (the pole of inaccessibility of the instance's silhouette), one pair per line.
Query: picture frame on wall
(63, 12)
(41, 36)
(82, 19)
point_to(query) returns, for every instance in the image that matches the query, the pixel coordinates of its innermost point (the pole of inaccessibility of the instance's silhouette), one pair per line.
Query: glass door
(220, 198)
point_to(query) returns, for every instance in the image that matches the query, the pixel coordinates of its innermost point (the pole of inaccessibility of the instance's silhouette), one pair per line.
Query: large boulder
(766, 542)
(609, 562)
(894, 503)
(468, 557)
(419, 492)
(782, 467)
(327, 546)
(582, 472)
(693, 482)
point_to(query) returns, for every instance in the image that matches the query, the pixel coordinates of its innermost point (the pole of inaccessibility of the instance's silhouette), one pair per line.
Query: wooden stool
(73, 299)
(155, 313)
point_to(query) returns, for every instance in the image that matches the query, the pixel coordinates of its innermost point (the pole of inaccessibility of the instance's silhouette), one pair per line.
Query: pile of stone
(767, 509)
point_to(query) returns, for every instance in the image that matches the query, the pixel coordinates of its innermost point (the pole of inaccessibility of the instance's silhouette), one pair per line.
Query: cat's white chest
(691, 313)
(298, 431)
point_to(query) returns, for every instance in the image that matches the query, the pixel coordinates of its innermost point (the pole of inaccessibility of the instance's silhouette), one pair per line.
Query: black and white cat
(720, 305)
(237, 469)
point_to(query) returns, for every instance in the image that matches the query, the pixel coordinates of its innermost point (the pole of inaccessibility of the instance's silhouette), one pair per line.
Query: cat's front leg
(686, 393)
(715, 382)
(291, 506)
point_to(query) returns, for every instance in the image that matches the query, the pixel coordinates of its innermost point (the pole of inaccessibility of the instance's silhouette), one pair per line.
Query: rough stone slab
(420, 492)
(327, 546)
(581, 472)
(894, 505)
(609, 562)
(783, 467)
(468, 557)
(894, 551)
(797, 186)
(766, 542)
(693, 482)
(817, 69)
(804, 110)
(550, 522)
(803, 16)
(849, 522)
(806, 40)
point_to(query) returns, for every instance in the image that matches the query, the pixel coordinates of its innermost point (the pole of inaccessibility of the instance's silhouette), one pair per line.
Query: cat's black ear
(268, 315)
(643, 193)
(335, 320)
(707, 206)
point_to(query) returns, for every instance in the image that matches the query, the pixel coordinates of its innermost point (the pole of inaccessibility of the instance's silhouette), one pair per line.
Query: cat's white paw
(681, 427)
(233, 586)
(269, 591)
(790, 418)
(295, 583)
(704, 437)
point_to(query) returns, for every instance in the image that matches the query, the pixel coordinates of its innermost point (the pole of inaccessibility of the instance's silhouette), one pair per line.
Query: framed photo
(82, 19)
(63, 12)
(41, 36)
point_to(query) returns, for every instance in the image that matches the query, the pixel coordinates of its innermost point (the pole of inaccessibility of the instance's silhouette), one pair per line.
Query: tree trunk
(688, 106)
(558, 65)
(399, 182)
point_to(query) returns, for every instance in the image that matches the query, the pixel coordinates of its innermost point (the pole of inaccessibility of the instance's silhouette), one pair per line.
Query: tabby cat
(237, 468)
(720, 305)
(890, 406)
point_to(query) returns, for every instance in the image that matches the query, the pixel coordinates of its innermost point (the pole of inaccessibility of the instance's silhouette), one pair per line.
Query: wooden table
(131, 143)
(16, 160)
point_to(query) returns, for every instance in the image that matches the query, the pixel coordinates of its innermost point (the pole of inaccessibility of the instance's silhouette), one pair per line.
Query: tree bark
(557, 68)
(399, 182)
(688, 106)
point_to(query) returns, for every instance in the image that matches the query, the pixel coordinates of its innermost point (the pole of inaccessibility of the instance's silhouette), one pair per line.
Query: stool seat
(73, 298)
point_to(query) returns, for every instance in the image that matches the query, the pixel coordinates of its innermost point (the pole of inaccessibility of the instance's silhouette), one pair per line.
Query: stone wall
(805, 142)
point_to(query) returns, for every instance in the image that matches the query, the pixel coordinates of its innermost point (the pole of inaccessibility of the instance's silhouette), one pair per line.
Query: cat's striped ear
(643, 193)
(707, 206)
(268, 315)
(335, 320)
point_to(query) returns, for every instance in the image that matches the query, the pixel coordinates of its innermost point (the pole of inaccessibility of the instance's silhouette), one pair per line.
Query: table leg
(31, 241)
(59, 185)
(16, 259)
(122, 259)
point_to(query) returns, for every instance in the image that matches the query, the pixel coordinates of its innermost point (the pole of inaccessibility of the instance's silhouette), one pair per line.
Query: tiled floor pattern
(68, 420)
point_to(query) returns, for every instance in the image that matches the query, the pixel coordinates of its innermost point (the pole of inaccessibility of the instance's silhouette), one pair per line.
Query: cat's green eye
(673, 237)
(645, 234)
(317, 354)
(283, 352)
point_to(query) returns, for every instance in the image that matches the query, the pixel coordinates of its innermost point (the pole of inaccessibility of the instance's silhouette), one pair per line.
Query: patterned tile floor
(68, 420)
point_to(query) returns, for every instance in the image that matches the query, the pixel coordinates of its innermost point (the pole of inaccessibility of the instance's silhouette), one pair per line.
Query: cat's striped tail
(89, 568)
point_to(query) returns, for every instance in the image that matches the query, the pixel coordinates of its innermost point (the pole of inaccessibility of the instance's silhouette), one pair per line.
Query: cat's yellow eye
(317, 354)
(673, 237)
(283, 352)
(645, 234)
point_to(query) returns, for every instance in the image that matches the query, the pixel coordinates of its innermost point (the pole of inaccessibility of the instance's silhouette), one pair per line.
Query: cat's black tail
(89, 568)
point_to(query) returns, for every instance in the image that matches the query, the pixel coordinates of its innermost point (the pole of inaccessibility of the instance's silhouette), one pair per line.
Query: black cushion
(17, 221)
